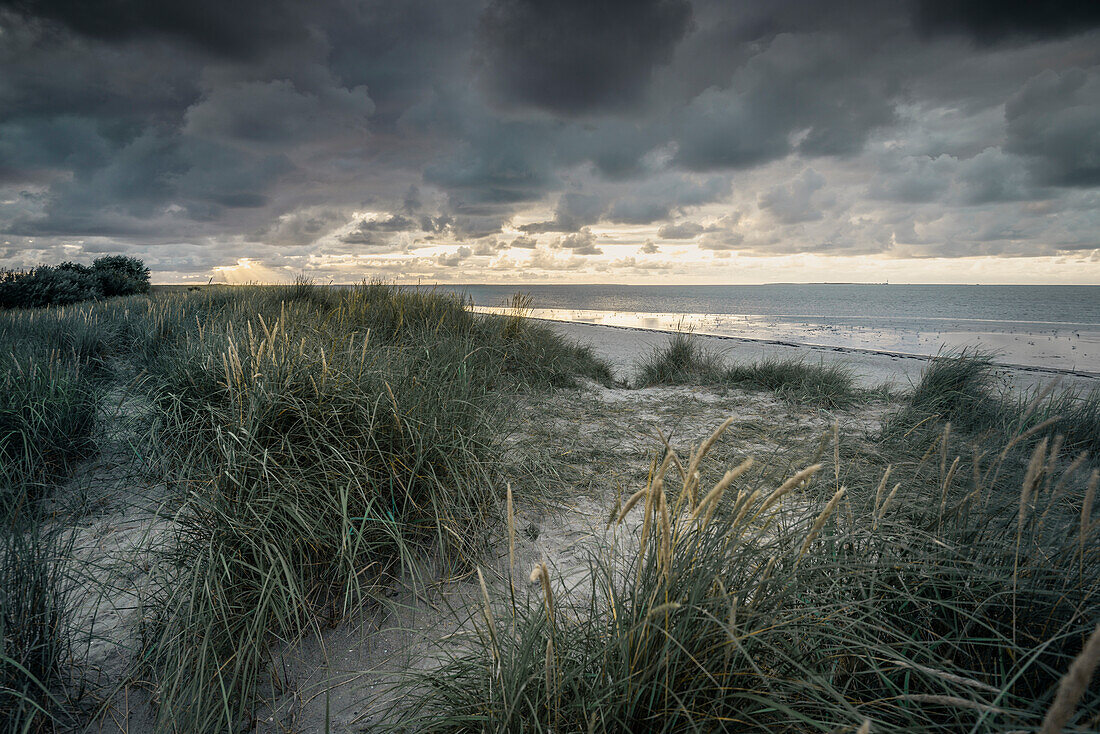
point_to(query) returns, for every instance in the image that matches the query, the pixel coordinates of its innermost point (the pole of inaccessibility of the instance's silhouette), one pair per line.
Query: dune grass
(684, 361)
(313, 469)
(47, 413)
(34, 634)
(796, 380)
(52, 368)
(962, 389)
(320, 442)
(806, 607)
(681, 361)
(324, 442)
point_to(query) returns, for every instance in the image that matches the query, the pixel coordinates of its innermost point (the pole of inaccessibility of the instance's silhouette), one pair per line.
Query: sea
(1046, 326)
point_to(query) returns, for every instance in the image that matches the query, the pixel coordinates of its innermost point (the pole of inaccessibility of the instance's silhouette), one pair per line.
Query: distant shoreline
(1055, 371)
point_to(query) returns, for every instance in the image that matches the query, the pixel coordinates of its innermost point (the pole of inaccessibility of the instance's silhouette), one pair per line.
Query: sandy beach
(624, 346)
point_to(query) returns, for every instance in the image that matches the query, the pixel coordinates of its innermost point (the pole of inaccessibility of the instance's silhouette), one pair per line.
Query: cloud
(451, 259)
(800, 94)
(662, 195)
(276, 112)
(577, 56)
(792, 202)
(489, 248)
(572, 212)
(228, 29)
(199, 135)
(581, 243)
(993, 176)
(1053, 120)
(649, 248)
(680, 231)
(913, 179)
(381, 231)
(301, 227)
(988, 21)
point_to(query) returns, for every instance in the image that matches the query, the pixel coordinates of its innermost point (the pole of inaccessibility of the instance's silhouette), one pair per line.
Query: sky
(555, 141)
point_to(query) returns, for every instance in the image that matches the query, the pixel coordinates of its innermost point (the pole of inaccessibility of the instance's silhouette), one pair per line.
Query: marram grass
(683, 360)
(809, 607)
(324, 443)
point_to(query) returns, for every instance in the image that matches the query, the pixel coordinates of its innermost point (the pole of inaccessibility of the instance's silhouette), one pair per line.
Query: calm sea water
(1044, 326)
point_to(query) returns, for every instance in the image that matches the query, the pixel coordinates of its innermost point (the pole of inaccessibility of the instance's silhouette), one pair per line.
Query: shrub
(119, 275)
(46, 285)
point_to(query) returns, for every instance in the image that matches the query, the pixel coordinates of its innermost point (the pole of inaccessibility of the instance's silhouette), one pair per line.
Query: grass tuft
(828, 385)
(818, 611)
(324, 445)
(681, 361)
(684, 361)
(34, 635)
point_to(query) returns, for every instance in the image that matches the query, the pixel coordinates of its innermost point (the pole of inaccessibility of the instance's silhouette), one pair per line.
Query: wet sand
(624, 346)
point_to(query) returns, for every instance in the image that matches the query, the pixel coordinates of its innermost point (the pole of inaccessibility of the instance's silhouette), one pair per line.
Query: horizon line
(420, 282)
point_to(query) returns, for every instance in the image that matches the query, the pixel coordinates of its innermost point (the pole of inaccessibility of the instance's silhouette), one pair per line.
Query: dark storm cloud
(524, 243)
(575, 56)
(1055, 121)
(799, 95)
(659, 197)
(572, 212)
(793, 202)
(581, 243)
(266, 130)
(987, 21)
(225, 28)
(391, 223)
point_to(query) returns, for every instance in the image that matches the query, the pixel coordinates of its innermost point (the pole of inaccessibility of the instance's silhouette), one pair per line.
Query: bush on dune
(68, 283)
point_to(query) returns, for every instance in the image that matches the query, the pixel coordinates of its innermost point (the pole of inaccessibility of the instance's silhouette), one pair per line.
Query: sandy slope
(599, 442)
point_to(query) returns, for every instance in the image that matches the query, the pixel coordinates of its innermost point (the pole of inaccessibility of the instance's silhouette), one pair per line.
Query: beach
(625, 346)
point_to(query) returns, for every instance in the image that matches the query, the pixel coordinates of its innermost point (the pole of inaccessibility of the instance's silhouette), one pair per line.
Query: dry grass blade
(487, 611)
(820, 523)
(881, 487)
(542, 575)
(634, 498)
(791, 484)
(1073, 686)
(953, 701)
(714, 496)
(949, 676)
(1086, 515)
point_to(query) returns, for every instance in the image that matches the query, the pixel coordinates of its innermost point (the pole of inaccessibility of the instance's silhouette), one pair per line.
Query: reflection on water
(1068, 346)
